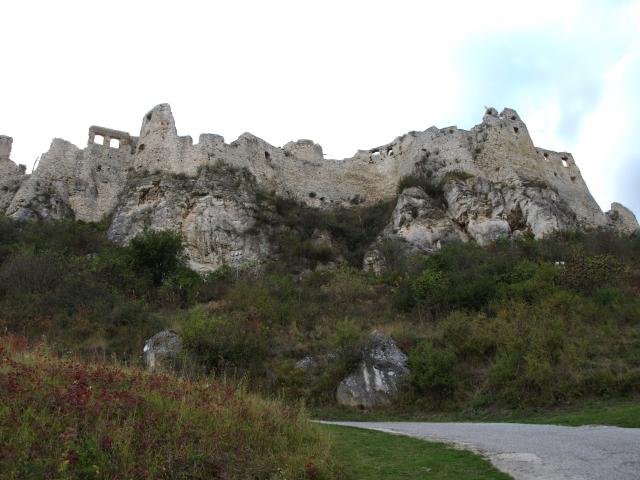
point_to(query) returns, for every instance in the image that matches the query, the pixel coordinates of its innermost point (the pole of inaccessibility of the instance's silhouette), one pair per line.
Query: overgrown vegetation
(63, 418)
(426, 181)
(300, 243)
(65, 280)
(516, 325)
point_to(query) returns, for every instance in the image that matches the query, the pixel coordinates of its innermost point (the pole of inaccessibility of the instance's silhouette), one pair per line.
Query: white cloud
(348, 74)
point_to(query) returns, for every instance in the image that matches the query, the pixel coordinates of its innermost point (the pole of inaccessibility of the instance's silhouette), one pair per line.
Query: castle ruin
(499, 184)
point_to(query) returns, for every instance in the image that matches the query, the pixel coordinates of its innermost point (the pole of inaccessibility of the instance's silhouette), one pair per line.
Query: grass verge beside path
(371, 455)
(614, 413)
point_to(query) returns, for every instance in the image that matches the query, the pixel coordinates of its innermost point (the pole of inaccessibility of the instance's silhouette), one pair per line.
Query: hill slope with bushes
(65, 418)
(519, 323)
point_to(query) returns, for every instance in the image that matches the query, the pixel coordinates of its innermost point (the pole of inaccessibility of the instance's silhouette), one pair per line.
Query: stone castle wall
(162, 180)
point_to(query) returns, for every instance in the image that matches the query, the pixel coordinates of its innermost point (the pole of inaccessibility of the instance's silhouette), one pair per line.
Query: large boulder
(377, 379)
(162, 351)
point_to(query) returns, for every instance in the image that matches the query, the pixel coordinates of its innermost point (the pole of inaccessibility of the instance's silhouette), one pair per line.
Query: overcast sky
(347, 74)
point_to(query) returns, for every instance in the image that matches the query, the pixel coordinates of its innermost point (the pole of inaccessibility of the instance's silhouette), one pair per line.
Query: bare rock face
(471, 208)
(215, 212)
(377, 380)
(11, 175)
(419, 223)
(490, 210)
(422, 222)
(162, 351)
(622, 219)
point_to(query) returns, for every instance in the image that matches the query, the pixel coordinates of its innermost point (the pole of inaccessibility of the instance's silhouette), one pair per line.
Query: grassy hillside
(518, 325)
(64, 418)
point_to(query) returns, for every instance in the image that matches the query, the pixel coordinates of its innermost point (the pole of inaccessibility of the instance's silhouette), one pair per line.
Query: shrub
(353, 229)
(432, 370)
(157, 254)
(223, 344)
(588, 273)
(31, 273)
(347, 344)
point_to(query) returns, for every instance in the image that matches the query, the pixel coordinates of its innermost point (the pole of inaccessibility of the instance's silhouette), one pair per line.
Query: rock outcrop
(11, 175)
(162, 351)
(492, 183)
(622, 219)
(377, 380)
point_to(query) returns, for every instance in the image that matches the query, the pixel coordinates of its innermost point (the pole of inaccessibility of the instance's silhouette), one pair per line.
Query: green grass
(615, 413)
(379, 456)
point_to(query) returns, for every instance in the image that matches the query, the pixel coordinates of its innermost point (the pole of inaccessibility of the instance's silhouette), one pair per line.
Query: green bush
(347, 344)
(352, 229)
(432, 370)
(224, 344)
(157, 254)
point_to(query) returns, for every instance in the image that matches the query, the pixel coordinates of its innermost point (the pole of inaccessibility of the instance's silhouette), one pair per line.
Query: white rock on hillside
(378, 377)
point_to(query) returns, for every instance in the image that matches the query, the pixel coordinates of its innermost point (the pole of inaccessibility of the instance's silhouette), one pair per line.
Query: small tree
(432, 369)
(157, 254)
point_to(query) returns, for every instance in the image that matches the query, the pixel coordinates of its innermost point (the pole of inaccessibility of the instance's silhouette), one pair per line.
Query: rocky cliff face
(484, 184)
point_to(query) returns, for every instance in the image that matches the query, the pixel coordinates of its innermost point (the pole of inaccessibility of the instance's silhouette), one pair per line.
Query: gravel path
(540, 452)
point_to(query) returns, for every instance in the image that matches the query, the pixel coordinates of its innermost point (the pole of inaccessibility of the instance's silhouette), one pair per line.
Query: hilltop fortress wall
(164, 181)
(499, 149)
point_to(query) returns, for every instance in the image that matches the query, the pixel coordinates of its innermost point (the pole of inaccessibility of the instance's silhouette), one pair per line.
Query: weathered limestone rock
(11, 175)
(621, 219)
(377, 380)
(162, 351)
(489, 230)
(422, 222)
(534, 208)
(215, 212)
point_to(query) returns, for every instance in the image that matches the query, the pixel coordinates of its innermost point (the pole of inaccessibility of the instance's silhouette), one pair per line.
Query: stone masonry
(502, 185)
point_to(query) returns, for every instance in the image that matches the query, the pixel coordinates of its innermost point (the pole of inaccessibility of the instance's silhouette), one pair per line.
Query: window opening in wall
(267, 155)
(375, 155)
(98, 139)
(564, 162)
(513, 117)
(516, 129)
(114, 143)
(390, 151)
(573, 179)
(546, 156)
(141, 147)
